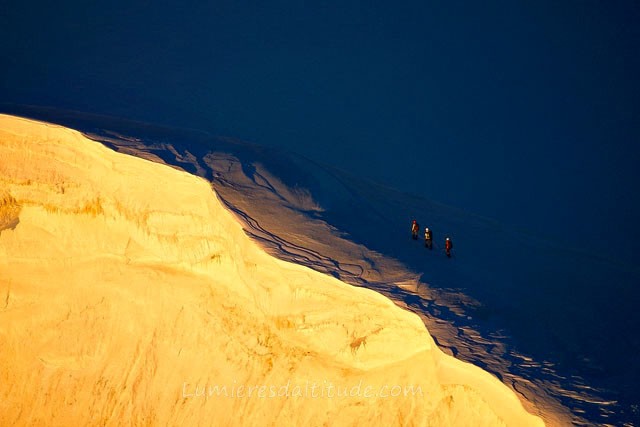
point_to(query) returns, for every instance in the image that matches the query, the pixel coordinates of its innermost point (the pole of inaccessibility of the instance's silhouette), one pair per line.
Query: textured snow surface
(131, 294)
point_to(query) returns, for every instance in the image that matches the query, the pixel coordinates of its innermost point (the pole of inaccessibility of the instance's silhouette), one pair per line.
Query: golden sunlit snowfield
(130, 295)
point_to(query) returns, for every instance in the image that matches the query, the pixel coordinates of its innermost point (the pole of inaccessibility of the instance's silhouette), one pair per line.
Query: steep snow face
(131, 294)
(509, 302)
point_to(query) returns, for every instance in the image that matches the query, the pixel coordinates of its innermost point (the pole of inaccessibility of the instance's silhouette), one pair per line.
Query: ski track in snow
(295, 253)
(266, 204)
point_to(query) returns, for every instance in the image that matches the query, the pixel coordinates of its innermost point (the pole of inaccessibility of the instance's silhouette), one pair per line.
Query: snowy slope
(542, 318)
(132, 295)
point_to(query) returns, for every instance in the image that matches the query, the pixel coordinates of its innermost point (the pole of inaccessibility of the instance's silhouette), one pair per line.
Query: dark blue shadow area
(522, 111)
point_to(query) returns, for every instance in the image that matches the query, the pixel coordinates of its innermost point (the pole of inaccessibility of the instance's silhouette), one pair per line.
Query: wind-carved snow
(132, 295)
(298, 211)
